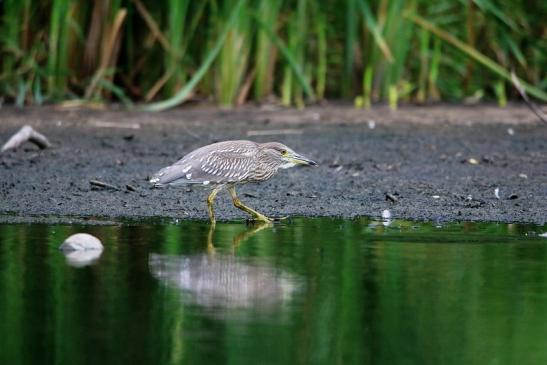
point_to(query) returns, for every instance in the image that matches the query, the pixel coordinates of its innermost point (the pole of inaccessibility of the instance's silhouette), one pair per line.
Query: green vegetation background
(288, 51)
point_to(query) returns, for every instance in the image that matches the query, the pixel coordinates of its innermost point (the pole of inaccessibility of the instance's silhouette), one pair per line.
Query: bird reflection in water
(217, 280)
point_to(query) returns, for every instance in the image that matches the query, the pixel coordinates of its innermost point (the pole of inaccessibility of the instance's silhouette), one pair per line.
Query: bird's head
(285, 156)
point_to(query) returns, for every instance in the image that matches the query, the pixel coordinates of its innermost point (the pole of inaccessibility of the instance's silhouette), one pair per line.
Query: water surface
(320, 291)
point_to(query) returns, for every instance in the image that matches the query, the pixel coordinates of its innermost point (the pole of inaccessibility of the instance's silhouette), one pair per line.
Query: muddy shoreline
(440, 163)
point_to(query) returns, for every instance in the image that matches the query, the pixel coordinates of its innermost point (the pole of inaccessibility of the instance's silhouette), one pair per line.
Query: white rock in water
(80, 242)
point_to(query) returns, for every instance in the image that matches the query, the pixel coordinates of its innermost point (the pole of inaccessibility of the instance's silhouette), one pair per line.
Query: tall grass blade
(349, 47)
(367, 86)
(232, 60)
(473, 53)
(152, 25)
(109, 54)
(293, 64)
(321, 82)
(424, 64)
(433, 75)
(58, 42)
(268, 12)
(489, 6)
(370, 21)
(178, 10)
(181, 95)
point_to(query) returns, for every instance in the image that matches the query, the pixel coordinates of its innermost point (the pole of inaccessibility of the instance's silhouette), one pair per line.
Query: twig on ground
(392, 198)
(130, 187)
(273, 132)
(27, 133)
(103, 124)
(103, 185)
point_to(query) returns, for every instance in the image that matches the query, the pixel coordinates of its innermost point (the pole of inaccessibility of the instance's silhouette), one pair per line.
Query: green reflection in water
(312, 291)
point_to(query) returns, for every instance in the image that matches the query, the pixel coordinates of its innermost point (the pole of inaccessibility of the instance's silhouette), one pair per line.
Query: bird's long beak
(303, 160)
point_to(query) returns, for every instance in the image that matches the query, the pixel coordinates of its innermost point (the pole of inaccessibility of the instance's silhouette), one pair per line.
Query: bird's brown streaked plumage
(228, 163)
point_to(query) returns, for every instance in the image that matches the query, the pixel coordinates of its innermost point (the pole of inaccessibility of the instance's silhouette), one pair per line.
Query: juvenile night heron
(227, 164)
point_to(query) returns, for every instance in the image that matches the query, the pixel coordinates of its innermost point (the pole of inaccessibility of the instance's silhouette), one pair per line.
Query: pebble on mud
(81, 242)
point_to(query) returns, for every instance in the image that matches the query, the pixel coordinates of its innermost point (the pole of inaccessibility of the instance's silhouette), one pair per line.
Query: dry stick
(274, 132)
(537, 111)
(106, 58)
(130, 187)
(27, 133)
(93, 36)
(156, 34)
(103, 185)
(158, 85)
(152, 25)
(244, 90)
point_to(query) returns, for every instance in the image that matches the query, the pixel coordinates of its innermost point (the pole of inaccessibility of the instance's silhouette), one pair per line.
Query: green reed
(294, 51)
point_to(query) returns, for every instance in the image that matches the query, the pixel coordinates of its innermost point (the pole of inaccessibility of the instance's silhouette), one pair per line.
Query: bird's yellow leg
(210, 245)
(238, 204)
(210, 200)
(256, 227)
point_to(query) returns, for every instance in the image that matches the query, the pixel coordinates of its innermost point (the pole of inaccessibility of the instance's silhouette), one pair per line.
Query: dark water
(312, 291)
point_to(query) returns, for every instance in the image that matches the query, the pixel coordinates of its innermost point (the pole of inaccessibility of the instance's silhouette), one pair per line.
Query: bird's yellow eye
(284, 152)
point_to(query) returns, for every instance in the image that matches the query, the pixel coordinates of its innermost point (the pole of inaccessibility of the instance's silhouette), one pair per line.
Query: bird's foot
(260, 218)
(264, 219)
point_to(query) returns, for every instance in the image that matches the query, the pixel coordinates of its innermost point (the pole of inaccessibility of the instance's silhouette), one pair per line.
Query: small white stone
(206, 182)
(510, 131)
(189, 176)
(435, 196)
(80, 242)
(497, 192)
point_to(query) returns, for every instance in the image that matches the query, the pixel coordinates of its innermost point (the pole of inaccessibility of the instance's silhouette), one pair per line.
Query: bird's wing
(220, 163)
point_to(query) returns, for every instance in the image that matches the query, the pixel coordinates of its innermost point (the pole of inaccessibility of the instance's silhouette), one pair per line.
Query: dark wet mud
(439, 163)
